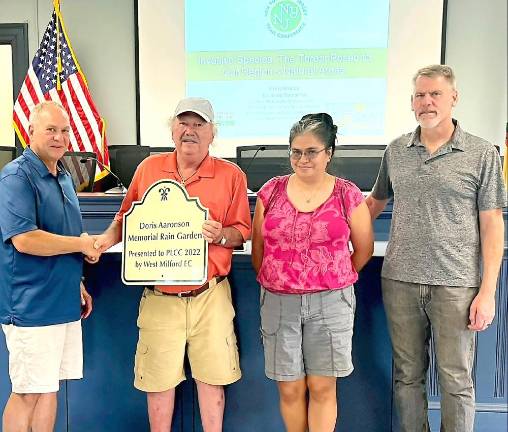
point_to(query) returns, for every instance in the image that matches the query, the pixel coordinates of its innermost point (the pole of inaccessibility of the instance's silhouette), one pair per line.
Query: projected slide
(265, 63)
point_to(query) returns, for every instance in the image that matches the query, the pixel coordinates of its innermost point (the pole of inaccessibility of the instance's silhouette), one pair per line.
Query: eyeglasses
(311, 154)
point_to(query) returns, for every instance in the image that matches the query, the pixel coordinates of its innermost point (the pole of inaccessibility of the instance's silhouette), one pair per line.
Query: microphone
(261, 148)
(120, 188)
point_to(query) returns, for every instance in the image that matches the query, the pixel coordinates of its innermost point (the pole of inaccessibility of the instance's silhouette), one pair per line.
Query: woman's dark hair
(320, 124)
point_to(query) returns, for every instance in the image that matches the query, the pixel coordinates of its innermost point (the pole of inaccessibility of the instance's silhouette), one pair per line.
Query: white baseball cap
(200, 106)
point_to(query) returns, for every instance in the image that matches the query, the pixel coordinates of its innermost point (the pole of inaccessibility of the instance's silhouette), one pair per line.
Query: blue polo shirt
(38, 290)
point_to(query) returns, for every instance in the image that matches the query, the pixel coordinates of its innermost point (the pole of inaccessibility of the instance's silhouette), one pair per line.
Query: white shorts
(39, 357)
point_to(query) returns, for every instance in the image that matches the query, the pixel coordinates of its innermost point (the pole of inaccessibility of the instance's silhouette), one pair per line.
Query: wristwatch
(223, 240)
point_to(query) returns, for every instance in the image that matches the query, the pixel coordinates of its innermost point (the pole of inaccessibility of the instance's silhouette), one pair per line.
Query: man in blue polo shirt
(41, 249)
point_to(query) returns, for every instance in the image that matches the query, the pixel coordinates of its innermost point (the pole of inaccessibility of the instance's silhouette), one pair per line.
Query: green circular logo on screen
(285, 18)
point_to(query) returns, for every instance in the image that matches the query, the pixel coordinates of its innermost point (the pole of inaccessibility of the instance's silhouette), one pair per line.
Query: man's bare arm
(375, 206)
(43, 243)
(482, 309)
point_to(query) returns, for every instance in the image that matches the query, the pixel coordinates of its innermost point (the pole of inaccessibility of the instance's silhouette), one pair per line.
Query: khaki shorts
(39, 357)
(170, 325)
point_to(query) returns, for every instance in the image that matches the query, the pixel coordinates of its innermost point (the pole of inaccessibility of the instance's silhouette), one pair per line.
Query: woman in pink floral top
(303, 225)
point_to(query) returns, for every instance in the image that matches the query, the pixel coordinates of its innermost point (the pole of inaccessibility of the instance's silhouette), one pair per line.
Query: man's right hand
(88, 249)
(104, 241)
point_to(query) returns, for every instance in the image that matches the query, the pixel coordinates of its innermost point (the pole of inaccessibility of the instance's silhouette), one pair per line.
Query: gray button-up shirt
(434, 236)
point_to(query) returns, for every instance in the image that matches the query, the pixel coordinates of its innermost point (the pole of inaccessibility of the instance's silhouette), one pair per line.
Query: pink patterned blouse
(306, 252)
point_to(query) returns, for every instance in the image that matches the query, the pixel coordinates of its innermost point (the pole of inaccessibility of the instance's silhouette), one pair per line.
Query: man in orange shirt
(172, 318)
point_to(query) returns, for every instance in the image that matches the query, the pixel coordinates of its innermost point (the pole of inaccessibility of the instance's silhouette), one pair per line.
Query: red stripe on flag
(72, 165)
(102, 153)
(91, 103)
(31, 90)
(24, 133)
(23, 105)
(65, 104)
(83, 117)
(77, 168)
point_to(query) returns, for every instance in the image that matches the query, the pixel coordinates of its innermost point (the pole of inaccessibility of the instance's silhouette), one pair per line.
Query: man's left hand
(212, 231)
(86, 302)
(482, 311)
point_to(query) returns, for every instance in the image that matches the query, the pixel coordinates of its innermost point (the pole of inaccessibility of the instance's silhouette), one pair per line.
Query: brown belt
(192, 293)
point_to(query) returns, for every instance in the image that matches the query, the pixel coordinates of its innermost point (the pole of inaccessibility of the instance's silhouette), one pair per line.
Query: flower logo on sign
(164, 191)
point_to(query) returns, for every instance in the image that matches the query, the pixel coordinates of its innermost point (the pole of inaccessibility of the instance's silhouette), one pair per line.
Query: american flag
(54, 74)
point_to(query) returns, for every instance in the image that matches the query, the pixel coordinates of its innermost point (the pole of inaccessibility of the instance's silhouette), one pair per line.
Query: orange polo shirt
(221, 187)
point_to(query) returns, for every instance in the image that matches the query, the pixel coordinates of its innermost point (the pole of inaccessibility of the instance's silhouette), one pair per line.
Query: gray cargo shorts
(307, 334)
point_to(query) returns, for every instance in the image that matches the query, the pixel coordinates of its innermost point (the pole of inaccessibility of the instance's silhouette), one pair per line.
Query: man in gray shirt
(448, 196)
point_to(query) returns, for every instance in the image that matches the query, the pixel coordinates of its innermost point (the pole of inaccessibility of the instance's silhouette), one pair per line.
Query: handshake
(92, 246)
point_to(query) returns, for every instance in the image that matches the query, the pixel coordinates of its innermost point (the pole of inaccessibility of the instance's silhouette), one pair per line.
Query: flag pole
(56, 4)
